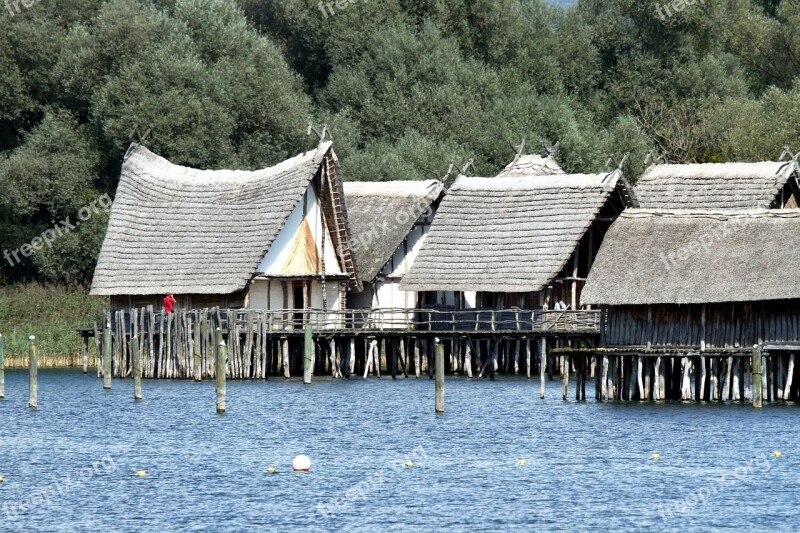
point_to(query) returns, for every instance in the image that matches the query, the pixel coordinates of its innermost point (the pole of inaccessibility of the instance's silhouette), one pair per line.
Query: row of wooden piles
(181, 345)
(699, 378)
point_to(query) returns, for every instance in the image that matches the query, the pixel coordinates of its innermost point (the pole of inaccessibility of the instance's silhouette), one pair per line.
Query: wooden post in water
(197, 346)
(757, 372)
(2, 370)
(33, 374)
(439, 376)
(285, 357)
(308, 346)
(542, 364)
(136, 355)
(107, 341)
(222, 357)
(85, 354)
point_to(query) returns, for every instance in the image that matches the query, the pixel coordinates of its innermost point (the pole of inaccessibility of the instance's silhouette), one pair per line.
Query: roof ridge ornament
(321, 134)
(552, 150)
(519, 149)
(655, 157)
(620, 164)
(787, 151)
(142, 137)
(461, 171)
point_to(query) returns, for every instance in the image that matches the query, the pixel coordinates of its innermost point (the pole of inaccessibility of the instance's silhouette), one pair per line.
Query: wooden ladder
(339, 225)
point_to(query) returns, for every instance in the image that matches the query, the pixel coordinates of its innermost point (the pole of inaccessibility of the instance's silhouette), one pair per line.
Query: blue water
(588, 464)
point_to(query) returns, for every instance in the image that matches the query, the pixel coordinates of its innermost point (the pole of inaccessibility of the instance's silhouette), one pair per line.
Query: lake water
(70, 465)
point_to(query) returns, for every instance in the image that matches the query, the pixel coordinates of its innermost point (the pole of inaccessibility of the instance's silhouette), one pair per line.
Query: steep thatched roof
(713, 185)
(508, 234)
(531, 165)
(697, 256)
(381, 215)
(179, 229)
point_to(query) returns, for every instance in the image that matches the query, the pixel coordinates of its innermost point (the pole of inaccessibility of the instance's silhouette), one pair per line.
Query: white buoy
(301, 463)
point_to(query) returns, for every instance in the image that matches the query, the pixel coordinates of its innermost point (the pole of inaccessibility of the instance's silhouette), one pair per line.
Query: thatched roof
(713, 185)
(184, 230)
(381, 215)
(508, 234)
(531, 165)
(697, 256)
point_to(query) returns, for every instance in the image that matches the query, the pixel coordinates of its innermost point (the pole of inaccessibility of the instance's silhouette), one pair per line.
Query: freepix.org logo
(59, 229)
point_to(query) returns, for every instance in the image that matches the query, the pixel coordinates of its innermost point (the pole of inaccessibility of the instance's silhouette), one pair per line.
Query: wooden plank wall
(728, 325)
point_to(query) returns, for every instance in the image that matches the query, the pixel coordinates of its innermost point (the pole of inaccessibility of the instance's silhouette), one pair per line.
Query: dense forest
(406, 87)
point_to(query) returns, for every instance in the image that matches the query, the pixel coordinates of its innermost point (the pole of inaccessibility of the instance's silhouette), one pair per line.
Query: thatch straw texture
(381, 215)
(508, 234)
(190, 231)
(531, 165)
(696, 256)
(713, 185)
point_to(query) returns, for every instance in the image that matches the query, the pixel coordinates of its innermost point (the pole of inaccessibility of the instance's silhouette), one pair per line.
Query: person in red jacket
(169, 303)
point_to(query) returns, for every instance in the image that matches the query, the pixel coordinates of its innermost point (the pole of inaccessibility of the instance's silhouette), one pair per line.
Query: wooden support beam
(439, 376)
(221, 366)
(33, 374)
(542, 365)
(758, 371)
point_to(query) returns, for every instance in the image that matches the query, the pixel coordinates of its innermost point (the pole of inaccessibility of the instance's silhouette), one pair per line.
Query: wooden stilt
(640, 377)
(108, 341)
(351, 357)
(416, 356)
(380, 362)
(527, 357)
(222, 357)
(137, 368)
(686, 382)
(726, 384)
(542, 365)
(789, 376)
(197, 364)
(335, 369)
(494, 367)
(85, 354)
(285, 356)
(439, 376)
(565, 377)
(99, 348)
(401, 346)
(736, 382)
(392, 359)
(468, 357)
(757, 378)
(308, 347)
(33, 374)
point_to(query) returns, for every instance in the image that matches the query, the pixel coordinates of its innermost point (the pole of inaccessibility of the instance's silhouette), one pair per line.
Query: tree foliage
(407, 87)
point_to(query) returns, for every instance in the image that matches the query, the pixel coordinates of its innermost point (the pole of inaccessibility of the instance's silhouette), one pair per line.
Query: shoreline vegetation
(52, 314)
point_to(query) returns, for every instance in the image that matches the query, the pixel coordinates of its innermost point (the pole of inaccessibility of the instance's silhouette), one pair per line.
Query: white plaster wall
(278, 253)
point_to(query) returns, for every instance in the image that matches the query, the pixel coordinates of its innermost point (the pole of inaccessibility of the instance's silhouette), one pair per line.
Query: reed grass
(52, 314)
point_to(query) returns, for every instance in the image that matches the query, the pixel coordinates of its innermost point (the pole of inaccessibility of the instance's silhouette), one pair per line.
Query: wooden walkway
(261, 344)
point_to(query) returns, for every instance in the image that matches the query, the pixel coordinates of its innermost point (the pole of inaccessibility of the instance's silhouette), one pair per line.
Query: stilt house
(518, 240)
(389, 221)
(699, 280)
(706, 265)
(275, 238)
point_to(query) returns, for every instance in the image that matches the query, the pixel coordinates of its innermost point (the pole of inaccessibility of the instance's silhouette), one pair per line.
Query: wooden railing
(377, 320)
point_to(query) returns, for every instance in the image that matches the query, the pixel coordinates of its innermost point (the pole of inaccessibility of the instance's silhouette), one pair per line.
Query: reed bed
(50, 313)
